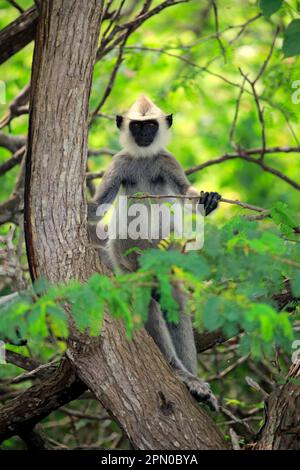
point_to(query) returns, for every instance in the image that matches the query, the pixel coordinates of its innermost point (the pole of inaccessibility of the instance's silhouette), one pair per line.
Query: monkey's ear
(169, 120)
(119, 120)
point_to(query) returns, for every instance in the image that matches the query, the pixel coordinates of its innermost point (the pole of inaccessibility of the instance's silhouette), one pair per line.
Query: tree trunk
(130, 378)
(282, 428)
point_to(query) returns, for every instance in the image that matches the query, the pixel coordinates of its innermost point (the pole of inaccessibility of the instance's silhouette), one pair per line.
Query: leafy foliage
(291, 43)
(229, 285)
(269, 7)
(43, 312)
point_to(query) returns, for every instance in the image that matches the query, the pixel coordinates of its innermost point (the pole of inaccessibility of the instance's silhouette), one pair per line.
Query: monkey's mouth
(144, 142)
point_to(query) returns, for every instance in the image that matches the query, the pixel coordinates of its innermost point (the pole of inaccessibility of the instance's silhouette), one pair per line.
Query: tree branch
(110, 42)
(13, 161)
(247, 156)
(30, 407)
(18, 34)
(12, 142)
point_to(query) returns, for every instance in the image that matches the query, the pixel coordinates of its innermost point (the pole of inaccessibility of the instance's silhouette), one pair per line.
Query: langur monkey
(145, 166)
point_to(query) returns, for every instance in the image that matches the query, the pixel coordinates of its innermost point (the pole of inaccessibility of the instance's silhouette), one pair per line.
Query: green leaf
(58, 321)
(268, 242)
(37, 323)
(87, 309)
(266, 328)
(268, 7)
(281, 214)
(41, 286)
(212, 316)
(141, 300)
(167, 300)
(291, 40)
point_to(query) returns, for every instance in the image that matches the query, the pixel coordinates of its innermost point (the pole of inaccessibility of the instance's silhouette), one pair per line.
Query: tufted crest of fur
(142, 110)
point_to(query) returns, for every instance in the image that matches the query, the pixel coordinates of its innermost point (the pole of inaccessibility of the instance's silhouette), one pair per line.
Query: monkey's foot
(210, 201)
(199, 389)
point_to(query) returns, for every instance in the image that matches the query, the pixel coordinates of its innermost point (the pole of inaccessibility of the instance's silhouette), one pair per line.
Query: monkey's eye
(135, 126)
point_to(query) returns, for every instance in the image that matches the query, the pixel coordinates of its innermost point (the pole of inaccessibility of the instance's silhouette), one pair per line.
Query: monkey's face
(144, 137)
(144, 132)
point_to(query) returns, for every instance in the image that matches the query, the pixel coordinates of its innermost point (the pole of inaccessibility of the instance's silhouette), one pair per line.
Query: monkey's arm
(174, 174)
(108, 189)
(179, 181)
(110, 185)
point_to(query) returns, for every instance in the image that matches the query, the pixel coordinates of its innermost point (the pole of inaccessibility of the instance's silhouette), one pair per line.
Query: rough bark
(138, 388)
(18, 34)
(130, 378)
(282, 427)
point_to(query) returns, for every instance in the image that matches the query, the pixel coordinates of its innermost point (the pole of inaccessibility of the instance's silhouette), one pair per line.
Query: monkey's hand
(199, 389)
(209, 200)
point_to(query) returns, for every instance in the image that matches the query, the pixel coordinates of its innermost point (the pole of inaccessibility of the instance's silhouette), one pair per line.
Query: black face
(143, 132)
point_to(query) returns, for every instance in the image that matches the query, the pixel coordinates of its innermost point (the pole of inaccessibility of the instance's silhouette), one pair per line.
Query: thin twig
(114, 17)
(244, 26)
(265, 64)
(229, 369)
(111, 82)
(15, 4)
(215, 10)
(180, 196)
(186, 61)
(110, 42)
(79, 414)
(235, 117)
(244, 205)
(259, 112)
(246, 155)
(17, 107)
(237, 420)
(13, 161)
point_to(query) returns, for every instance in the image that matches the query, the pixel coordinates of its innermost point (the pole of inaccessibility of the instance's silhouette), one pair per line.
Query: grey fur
(157, 174)
(141, 174)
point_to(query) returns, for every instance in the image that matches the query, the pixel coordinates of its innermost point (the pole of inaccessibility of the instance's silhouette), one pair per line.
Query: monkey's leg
(182, 333)
(157, 327)
(183, 340)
